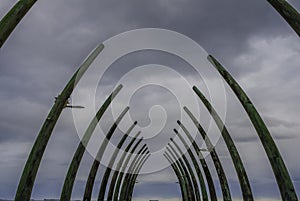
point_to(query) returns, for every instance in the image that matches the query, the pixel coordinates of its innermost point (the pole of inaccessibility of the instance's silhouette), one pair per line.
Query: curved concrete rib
(210, 182)
(197, 168)
(280, 171)
(288, 12)
(119, 166)
(191, 171)
(126, 180)
(9, 22)
(108, 170)
(74, 166)
(182, 167)
(214, 156)
(119, 184)
(33, 162)
(179, 177)
(189, 168)
(136, 174)
(236, 159)
(94, 169)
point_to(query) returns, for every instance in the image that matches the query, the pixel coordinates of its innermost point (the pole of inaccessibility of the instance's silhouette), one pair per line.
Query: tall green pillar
(9, 22)
(74, 166)
(119, 166)
(179, 174)
(94, 169)
(202, 185)
(197, 168)
(126, 180)
(288, 12)
(119, 184)
(280, 171)
(189, 168)
(111, 163)
(235, 156)
(214, 156)
(179, 177)
(183, 169)
(33, 162)
(210, 182)
(136, 174)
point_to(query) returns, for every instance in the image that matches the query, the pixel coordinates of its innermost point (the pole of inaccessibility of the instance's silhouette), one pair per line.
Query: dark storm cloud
(55, 37)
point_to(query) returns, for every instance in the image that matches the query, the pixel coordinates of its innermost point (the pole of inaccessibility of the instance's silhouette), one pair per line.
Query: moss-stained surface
(186, 175)
(209, 179)
(214, 156)
(181, 182)
(111, 163)
(65, 196)
(236, 159)
(74, 166)
(118, 168)
(9, 22)
(126, 181)
(281, 173)
(197, 168)
(122, 172)
(33, 162)
(189, 168)
(288, 12)
(136, 174)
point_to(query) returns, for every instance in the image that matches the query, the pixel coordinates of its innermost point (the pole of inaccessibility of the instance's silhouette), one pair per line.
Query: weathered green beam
(94, 169)
(19, 10)
(210, 182)
(189, 168)
(280, 171)
(179, 177)
(197, 168)
(108, 170)
(214, 156)
(9, 22)
(134, 181)
(126, 180)
(182, 167)
(136, 174)
(119, 166)
(33, 162)
(288, 12)
(122, 172)
(74, 166)
(236, 159)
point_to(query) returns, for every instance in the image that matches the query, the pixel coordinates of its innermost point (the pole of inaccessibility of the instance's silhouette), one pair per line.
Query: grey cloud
(55, 36)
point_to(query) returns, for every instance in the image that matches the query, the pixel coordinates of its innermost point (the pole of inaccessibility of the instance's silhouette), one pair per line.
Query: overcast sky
(252, 41)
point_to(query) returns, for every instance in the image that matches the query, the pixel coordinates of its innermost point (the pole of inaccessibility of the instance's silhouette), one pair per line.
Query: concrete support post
(183, 169)
(126, 180)
(111, 163)
(94, 169)
(210, 182)
(214, 156)
(280, 171)
(119, 166)
(197, 168)
(189, 168)
(179, 177)
(235, 156)
(74, 166)
(33, 162)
